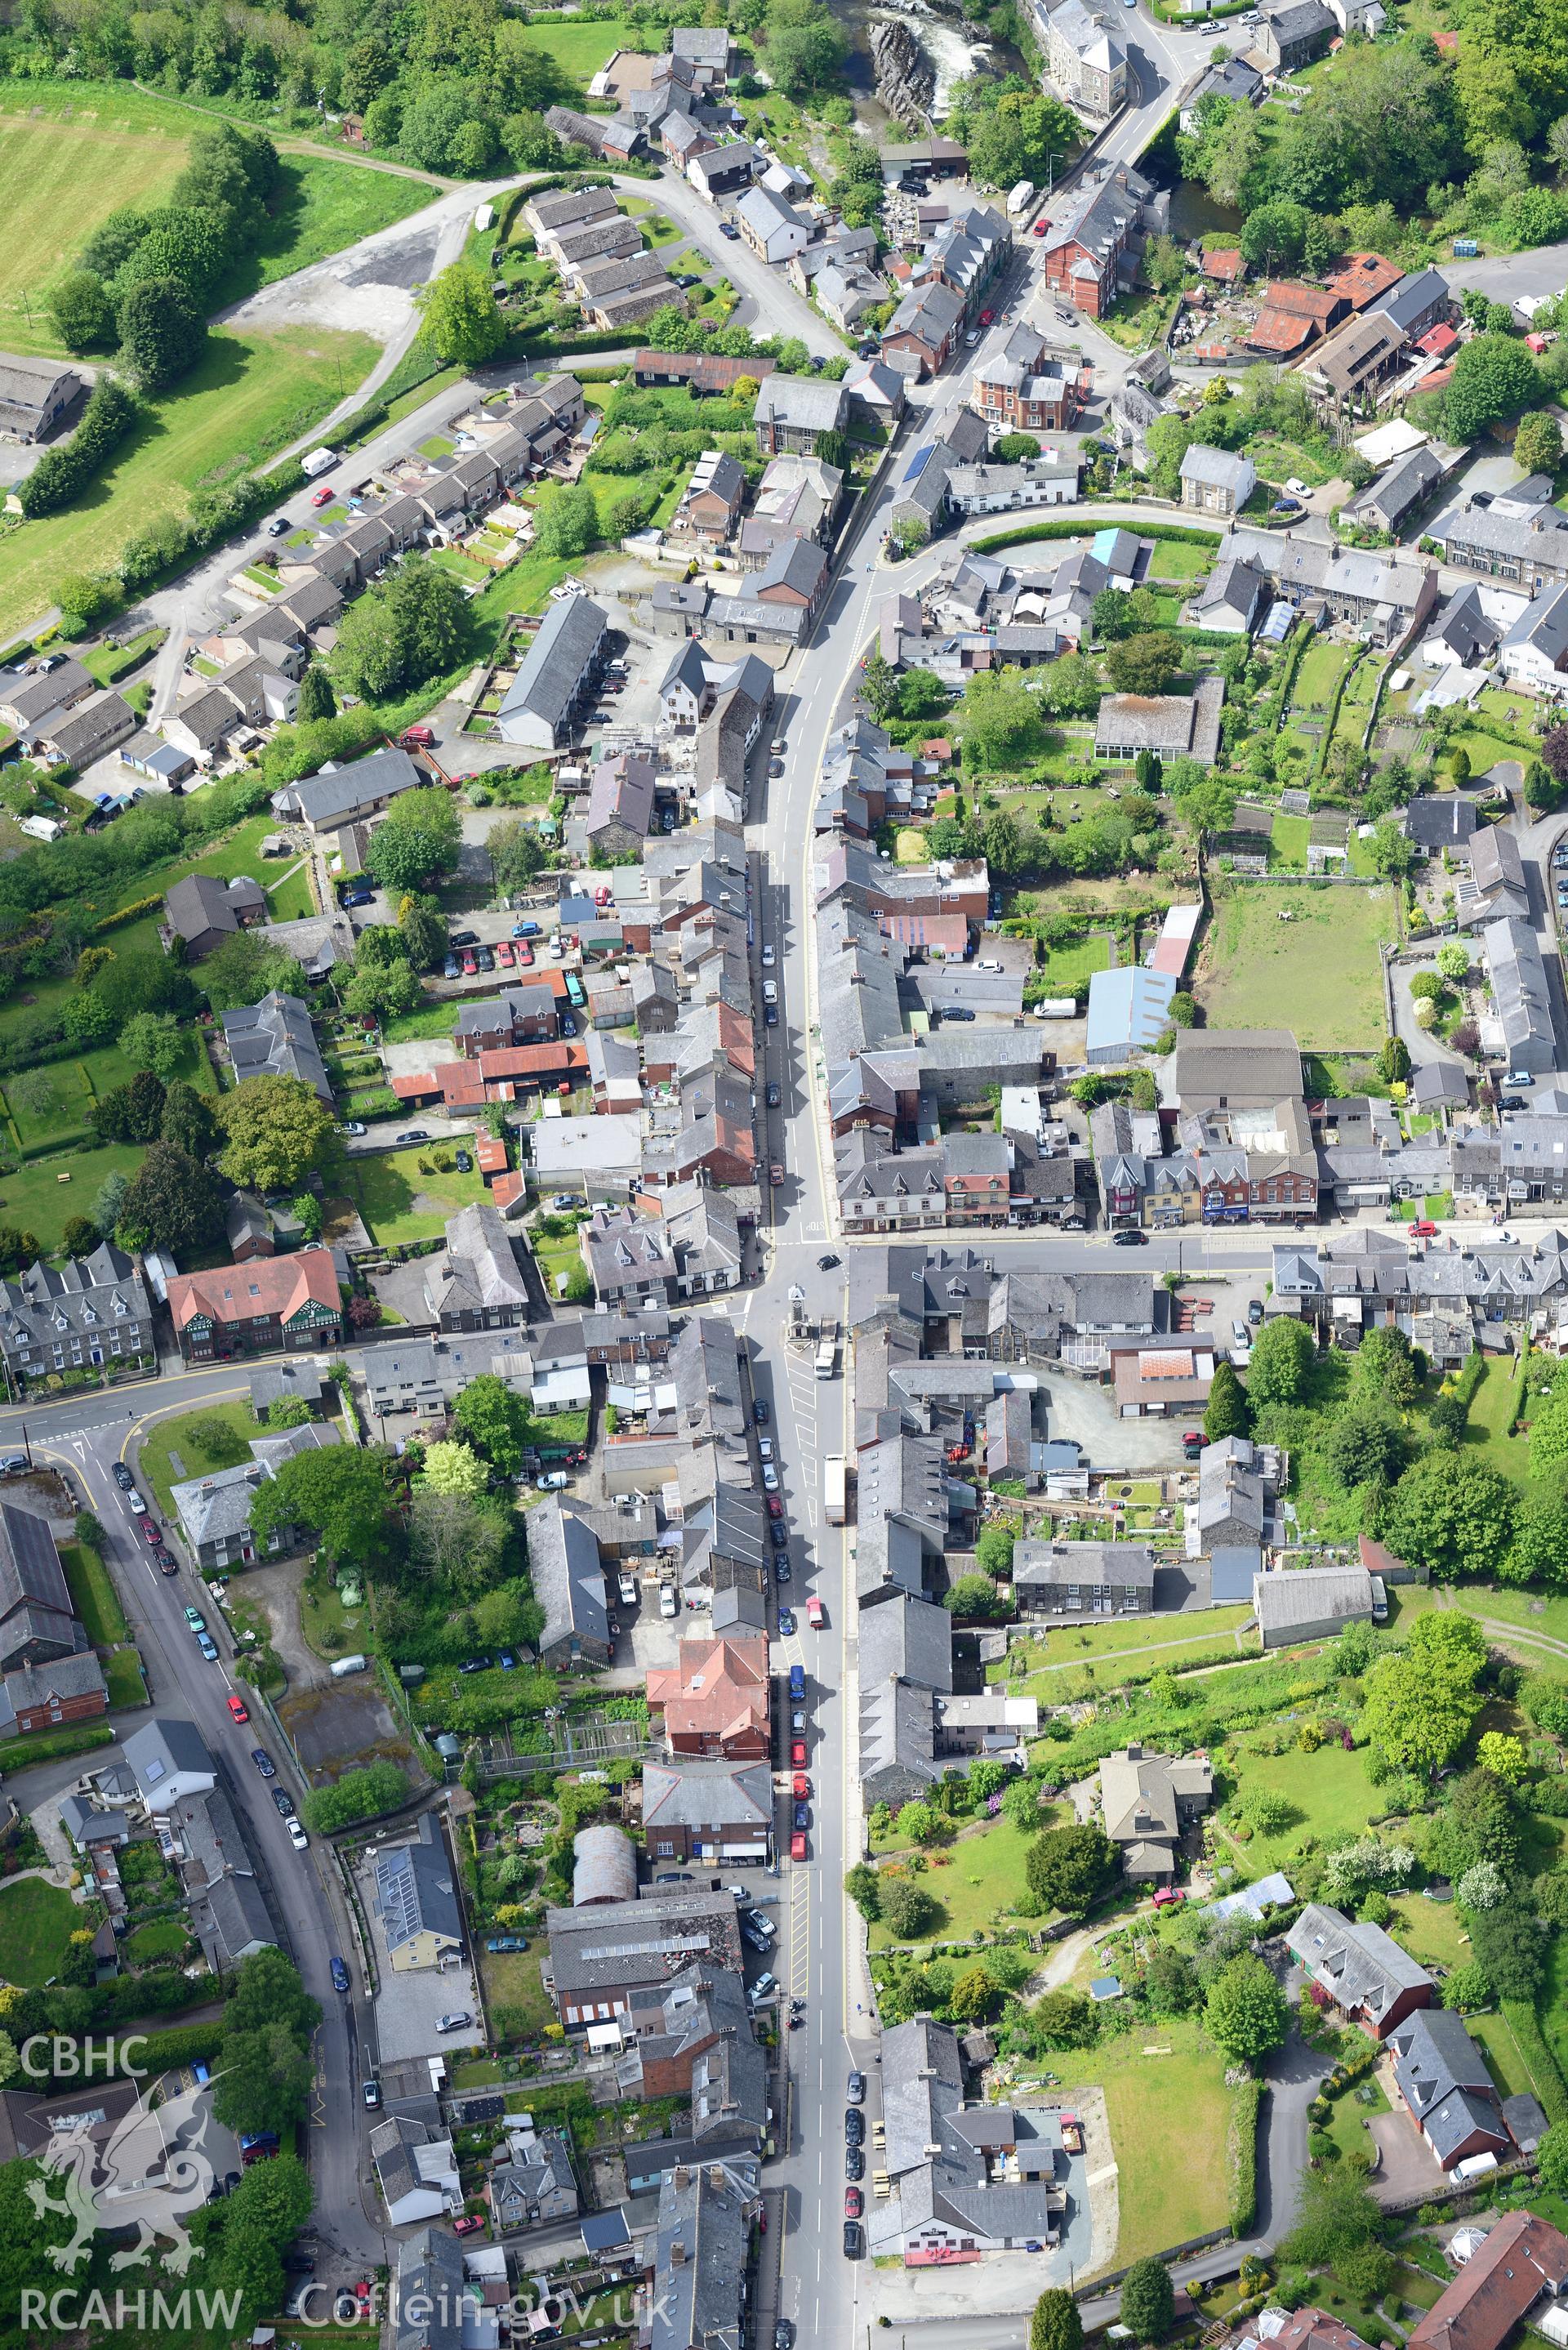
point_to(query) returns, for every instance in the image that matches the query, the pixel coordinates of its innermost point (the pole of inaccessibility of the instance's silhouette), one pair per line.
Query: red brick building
(253, 1309)
(1522, 2258)
(715, 1700)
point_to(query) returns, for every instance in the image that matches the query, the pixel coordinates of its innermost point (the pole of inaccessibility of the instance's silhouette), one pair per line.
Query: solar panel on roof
(919, 462)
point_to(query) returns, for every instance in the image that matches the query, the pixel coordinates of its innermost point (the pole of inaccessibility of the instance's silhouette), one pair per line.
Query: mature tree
(1366, 1446)
(974, 1995)
(1538, 443)
(132, 1113)
(276, 1131)
(1065, 2018)
(1394, 1061)
(1384, 1370)
(152, 1040)
(162, 333)
(316, 699)
(1282, 1356)
(1540, 1553)
(171, 1202)
(82, 312)
(382, 992)
(1551, 2160)
(1148, 2301)
(999, 721)
(976, 1599)
(1479, 1821)
(1228, 1413)
(1245, 2012)
(803, 47)
(922, 694)
(1069, 1868)
(273, 2198)
(406, 629)
(878, 684)
(908, 1910)
(1334, 2216)
(993, 1548)
(467, 1543)
(361, 1794)
(264, 2082)
(1056, 2323)
(864, 1887)
(461, 324)
(1494, 377)
(923, 1823)
(287, 1411)
(453, 1469)
(1420, 1705)
(187, 1120)
(1509, 1943)
(494, 1418)
(1392, 852)
(517, 854)
(418, 840)
(1454, 1515)
(342, 1494)
(1273, 237)
(422, 927)
(1145, 663)
(566, 519)
(1170, 1981)
(247, 967)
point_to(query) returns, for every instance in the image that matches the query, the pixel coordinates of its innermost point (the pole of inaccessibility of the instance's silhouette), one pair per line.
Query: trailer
(828, 1351)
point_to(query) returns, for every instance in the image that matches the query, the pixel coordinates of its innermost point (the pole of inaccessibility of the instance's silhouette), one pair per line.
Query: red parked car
(239, 1709)
(469, 2225)
(797, 1845)
(797, 1749)
(149, 1528)
(853, 2203)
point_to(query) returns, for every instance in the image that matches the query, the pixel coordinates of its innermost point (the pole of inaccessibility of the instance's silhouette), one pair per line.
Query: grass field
(977, 1879)
(1318, 974)
(512, 1979)
(1504, 2057)
(1072, 1646)
(1486, 1430)
(401, 1201)
(155, 1464)
(251, 395)
(51, 1104)
(1068, 970)
(37, 1922)
(36, 1201)
(123, 1674)
(160, 1938)
(1330, 1791)
(93, 1595)
(70, 153)
(1155, 2103)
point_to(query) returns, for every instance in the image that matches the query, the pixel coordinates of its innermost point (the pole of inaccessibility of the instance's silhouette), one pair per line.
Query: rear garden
(1305, 956)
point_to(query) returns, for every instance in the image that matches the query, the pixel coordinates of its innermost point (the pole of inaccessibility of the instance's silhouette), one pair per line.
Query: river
(956, 49)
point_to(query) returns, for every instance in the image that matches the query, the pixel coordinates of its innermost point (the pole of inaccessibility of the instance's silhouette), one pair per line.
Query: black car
(771, 1015)
(854, 2163)
(780, 1533)
(485, 958)
(784, 2335)
(1511, 1101)
(760, 1412)
(475, 1665)
(801, 1816)
(826, 1264)
(851, 2241)
(464, 1163)
(264, 1762)
(773, 1097)
(284, 1803)
(853, 2127)
(780, 1564)
(1255, 1310)
(957, 1012)
(464, 939)
(1132, 1239)
(123, 1477)
(675, 1877)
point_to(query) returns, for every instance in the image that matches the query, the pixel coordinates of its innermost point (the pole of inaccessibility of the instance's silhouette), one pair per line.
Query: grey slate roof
(906, 1638)
(1360, 1965)
(480, 1273)
(328, 799)
(275, 1038)
(1301, 1596)
(567, 1576)
(414, 1889)
(1444, 2079)
(553, 668)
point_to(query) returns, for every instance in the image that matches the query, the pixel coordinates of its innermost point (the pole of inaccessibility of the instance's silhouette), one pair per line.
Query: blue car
(507, 1661)
(802, 1815)
(786, 1622)
(339, 1975)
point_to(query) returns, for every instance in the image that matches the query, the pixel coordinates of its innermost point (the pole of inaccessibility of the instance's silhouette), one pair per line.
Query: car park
(264, 1762)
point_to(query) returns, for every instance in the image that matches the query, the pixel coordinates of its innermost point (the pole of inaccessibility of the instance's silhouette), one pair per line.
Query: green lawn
(1431, 1930)
(1068, 970)
(93, 1595)
(328, 1625)
(1071, 1647)
(512, 1979)
(432, 1020)
(160, 1938)
(123, 1674)
(155, 1464)
(1318, 974)
(1504, 2057)
(1174, 559)
(1331, 1794)
(404, 1196)
(51, 1105)
(249, 396)
(1491, 1412)
(37, 1922)
(56, 184)
(1176, 2100)
(39, 1202)
(977, 1879)
(319, 207)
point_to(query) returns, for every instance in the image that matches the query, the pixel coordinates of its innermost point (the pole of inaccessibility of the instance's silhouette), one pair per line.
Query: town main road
(301, 1888)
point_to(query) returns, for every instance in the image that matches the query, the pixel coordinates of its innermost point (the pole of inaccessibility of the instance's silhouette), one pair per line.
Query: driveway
(1408, 2166)
(1087, 1413)
(1293, 2076)
(769, 304)
(410, 2004)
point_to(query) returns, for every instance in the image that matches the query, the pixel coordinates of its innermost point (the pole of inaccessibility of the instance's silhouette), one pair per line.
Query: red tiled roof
(1281, 330)
(507, 1189)
(1438, 380)
(1226, 264)
(1501, 2279)
(1362, 276)
(1437, 343)
(1305, 301)
(489, 1152)
(718, 1690)
(280, 1286)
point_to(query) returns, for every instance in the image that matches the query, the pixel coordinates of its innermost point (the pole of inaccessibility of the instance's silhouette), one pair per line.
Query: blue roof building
(1128, 1011)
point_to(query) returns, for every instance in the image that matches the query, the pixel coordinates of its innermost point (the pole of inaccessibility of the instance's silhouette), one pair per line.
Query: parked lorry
(835, 1489)
(828, 1351)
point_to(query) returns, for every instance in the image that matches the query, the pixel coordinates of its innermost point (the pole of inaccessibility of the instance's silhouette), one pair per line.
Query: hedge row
(1469, 1378)
(1066, 528)
(136, 911)
(63, 472)
(1242, 2156)
(1550, 2086)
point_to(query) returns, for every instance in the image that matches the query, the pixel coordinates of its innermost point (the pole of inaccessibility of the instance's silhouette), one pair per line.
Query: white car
(134, 1503)
(1297, 489)
(769, 958)
(669, 1604)
(626, 1585)
(298, 1836)
(764, 1448)
(769, 990)
(770, 1478)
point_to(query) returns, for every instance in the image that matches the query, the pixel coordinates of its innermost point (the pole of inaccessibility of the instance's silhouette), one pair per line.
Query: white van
(346, 1665)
